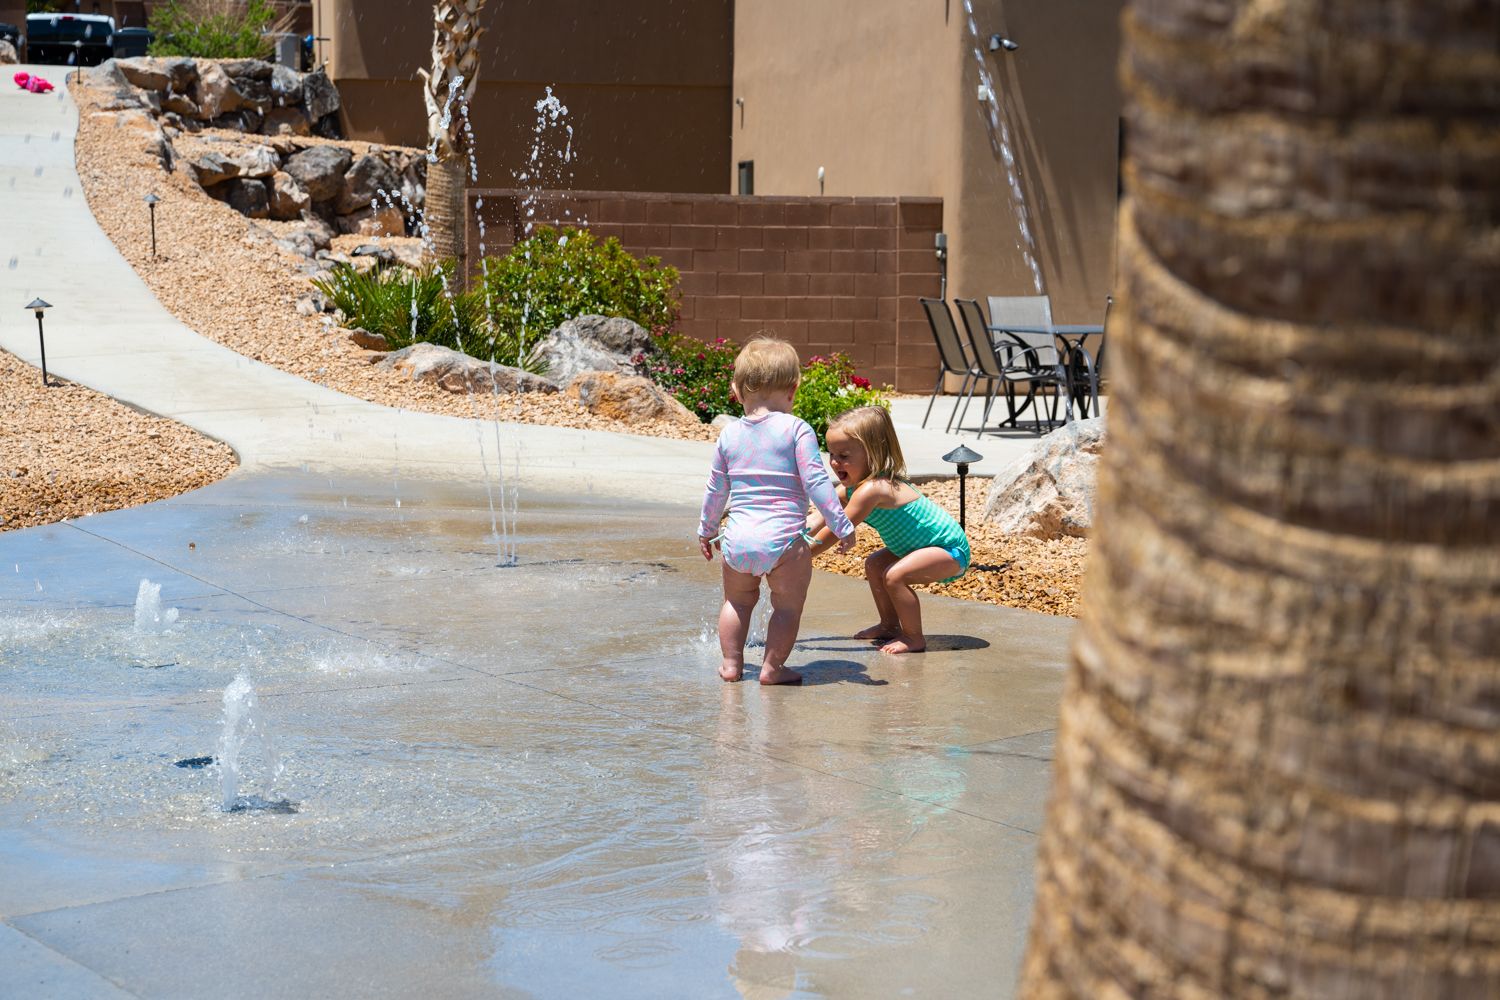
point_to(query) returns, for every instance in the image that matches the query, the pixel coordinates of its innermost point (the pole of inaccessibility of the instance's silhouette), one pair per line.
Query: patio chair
(1031, 357)
(977, 329)
(953, 358)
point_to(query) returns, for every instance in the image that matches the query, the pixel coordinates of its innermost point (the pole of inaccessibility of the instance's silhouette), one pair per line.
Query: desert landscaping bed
(226, 277)
(67, 451)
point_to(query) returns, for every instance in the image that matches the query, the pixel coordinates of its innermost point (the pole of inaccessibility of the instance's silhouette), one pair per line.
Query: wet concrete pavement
(508, 781)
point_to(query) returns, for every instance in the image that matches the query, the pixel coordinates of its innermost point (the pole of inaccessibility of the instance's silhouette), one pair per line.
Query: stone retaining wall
(826, 274)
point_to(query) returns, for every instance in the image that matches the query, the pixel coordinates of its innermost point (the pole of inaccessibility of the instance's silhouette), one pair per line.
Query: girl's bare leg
(741, 591)
(789, 582)
(876, 565)
(922, 566)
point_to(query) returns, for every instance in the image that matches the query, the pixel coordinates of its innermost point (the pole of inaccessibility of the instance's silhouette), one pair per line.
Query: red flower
(862, 383)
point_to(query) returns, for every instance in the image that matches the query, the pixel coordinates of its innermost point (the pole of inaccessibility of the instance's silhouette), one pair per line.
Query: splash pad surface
(487, 780)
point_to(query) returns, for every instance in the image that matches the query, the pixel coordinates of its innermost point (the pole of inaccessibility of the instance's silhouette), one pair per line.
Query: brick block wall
(826, 274)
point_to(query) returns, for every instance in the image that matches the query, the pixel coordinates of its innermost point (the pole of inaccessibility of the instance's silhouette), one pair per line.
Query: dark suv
(69, 39)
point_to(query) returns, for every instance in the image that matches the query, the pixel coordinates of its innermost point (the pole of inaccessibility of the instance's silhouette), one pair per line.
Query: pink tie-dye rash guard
(765, 470)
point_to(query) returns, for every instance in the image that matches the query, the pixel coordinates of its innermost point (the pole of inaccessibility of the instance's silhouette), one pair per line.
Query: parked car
(69, 39)
(131, 42)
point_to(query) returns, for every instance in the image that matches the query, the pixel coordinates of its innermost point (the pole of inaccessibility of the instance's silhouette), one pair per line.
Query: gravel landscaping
(69, 452)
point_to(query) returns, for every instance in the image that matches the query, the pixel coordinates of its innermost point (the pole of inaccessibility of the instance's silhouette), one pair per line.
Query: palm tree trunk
(1278, 765)
(444, 214)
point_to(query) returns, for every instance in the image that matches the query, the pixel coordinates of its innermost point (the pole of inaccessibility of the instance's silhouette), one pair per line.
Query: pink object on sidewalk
(35, 84)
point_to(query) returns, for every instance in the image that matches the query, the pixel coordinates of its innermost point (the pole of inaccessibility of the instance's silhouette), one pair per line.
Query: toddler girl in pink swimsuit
(766, 467)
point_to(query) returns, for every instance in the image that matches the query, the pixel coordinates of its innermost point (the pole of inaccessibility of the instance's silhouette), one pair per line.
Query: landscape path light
(38, 306)
(963, 457)
(151, 200)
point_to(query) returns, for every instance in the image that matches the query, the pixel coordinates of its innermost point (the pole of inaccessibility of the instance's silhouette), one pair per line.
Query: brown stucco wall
(826, 274)
(646, 84)
(883, 95)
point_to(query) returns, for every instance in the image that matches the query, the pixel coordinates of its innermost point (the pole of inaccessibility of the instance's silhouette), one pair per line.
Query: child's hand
(706, 546)
(846, 544)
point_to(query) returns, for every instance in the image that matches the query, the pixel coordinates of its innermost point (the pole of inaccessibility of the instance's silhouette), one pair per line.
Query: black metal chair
(953, 357)
(1030, 359)
(977, 329)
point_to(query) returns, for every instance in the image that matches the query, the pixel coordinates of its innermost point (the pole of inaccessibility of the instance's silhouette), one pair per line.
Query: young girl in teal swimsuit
(923, 544)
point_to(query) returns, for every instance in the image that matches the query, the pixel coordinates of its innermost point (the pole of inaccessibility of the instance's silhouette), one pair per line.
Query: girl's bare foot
(779, 675)
(881, 632)
(731, 672)
(901, 644)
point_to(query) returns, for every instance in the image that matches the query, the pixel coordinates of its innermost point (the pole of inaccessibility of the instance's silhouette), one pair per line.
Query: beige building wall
(883, 95)
(646, 84)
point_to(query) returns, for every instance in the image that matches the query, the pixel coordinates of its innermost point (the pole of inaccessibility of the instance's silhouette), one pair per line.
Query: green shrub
(830, 387)
(212, 29)
(406, 306)
(552, 277)
(697, 374)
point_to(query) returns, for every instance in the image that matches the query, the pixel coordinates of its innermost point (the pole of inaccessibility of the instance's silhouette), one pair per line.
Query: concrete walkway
(485, 780)
(108, 332)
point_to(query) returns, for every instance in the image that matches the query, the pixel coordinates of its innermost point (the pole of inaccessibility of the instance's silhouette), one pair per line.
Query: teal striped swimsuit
(918, 524)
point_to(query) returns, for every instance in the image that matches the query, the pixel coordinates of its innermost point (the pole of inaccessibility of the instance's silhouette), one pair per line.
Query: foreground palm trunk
(1278, 765)
(447, 90)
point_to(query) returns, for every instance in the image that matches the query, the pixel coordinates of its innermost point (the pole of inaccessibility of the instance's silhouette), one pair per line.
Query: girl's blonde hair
(871, 426)
(765, 364)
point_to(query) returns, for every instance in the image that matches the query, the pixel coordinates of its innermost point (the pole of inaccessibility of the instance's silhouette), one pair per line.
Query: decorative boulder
(247, 69)
(320, 170)
(369, 341)
(593, 344)
(107, 77)
(145, 73)
(286, 121)
(177, 103)
(627, 398)
(722, 421)
(286, 85)
(215, 93)
(369, 177)
(258, 161)
(288, 198)
(373, 222)
(182, 72)
(318, 228)
(319, 96)
(214, 168)
(248, 197)
(456, 372)
(8, 55)
(1048, 492)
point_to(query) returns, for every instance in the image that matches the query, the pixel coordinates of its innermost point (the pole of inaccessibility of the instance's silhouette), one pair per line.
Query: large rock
(182, 72)
(320, 170)
(145, 72)
(121, 93)
(248, 69)
(627, 398)
(593, 344)
(286, 85)
(214, 168)
(8, 55)
(456, 372)
(319, 96)
(1048, 492)
(179, 104)
(288, 198)
(286, 121)
(372, 221)
(248, 197)
(258, 161)
(215, 93)
(369, 177)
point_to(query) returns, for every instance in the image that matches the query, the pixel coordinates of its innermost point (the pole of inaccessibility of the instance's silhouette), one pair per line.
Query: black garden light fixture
(151, 200)
(963, 457)
(38, 306)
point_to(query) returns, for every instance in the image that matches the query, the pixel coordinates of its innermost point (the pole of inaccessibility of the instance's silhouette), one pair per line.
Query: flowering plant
(830, 387)
(699, 375)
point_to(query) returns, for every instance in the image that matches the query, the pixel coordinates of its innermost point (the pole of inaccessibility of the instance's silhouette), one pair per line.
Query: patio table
(1073, 338)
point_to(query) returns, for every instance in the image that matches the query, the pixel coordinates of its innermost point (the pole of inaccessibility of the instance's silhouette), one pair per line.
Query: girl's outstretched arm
(856, 508)
(817, 485)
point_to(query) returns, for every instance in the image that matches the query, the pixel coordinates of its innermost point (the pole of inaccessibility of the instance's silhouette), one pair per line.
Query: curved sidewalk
(107, 331)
